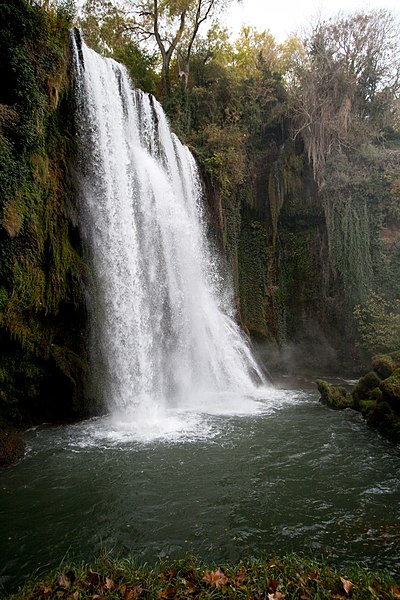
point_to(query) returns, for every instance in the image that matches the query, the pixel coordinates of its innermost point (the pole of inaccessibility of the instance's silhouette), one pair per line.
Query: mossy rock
(375, 395)
(367, 407)
(379, 400)
(334, 396)
(386, 420)
(390, 388)
(12, 447)
(385, 364)
(365, 387)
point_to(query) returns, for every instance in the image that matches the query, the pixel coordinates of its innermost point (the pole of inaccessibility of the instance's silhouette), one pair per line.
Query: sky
(283, 17)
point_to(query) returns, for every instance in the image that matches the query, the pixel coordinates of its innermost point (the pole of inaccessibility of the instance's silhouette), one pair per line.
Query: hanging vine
(348, 230)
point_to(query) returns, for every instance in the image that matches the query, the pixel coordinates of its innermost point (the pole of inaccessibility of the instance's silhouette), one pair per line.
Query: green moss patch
(333, 396)
(385, 364)
(390, 388)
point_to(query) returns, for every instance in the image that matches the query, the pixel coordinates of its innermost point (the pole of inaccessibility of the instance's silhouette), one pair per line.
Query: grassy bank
(270, 579)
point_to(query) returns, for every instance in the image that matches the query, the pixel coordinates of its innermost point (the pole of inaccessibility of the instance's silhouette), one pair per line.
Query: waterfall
(162, 330)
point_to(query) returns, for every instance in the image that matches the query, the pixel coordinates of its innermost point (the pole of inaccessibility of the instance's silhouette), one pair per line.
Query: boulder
(334, 396)
(12, 447)
(365, 388)
(385, 364)
(390, 389)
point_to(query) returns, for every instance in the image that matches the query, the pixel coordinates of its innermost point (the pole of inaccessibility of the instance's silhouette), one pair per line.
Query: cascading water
(162, 330)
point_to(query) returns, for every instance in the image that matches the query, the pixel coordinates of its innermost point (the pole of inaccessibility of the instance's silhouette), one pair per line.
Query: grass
(291, 577)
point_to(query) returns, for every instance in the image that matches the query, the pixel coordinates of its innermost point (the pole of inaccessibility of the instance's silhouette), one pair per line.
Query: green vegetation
(105, 29)
(41, 300)
(292, 577)
(301, 142)
(378, 324)
(253, 251)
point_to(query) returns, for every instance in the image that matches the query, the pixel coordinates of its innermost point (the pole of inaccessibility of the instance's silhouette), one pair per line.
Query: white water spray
(162, 329)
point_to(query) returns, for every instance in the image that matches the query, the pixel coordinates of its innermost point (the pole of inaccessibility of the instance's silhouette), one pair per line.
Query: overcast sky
(283, 17)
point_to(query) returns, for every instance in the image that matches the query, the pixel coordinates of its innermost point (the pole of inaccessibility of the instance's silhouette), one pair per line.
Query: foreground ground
(269, 579)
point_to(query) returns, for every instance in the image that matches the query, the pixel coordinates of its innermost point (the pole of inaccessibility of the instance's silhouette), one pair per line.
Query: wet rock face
(12, 447)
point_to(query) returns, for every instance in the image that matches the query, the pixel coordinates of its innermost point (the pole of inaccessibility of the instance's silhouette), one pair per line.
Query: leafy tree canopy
(106, 30)
(173, 26)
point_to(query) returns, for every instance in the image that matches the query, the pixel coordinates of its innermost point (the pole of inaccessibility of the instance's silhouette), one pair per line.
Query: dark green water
(295, 476)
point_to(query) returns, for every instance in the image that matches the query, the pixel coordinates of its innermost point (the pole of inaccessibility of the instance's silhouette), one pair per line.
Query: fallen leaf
(347, 585)
(276, 596)
(191, 576)
(71, 575)
(216, 578)
(172, 573)
(240, 580)
(133, 593)
(395, 592)
(63, 581)
(109, 584)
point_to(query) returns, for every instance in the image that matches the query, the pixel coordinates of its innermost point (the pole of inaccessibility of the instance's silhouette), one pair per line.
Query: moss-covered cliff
(317, 270)
(42, 314)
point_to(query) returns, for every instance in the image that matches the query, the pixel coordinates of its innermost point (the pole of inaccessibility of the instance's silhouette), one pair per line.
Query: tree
(347, 84)
(174, 26)
(106, 30)
(251, 49)
(63, 7)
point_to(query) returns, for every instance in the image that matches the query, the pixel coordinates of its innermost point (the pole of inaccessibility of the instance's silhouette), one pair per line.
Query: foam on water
(130, 428)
